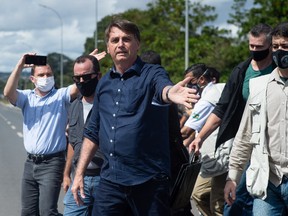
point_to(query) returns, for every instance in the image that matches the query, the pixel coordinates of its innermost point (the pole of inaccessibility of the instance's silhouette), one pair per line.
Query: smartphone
(36, 59)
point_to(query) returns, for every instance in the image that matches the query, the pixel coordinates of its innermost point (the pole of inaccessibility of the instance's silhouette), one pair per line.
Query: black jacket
(231, 104)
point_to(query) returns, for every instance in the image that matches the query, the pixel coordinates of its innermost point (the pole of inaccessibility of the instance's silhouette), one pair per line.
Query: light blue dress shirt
(45, 120)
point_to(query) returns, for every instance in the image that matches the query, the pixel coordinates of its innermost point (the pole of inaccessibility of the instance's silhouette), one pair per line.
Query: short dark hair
(93, 59)
(32, 72)
(200, 69)
(281, 30)
(151, 57)
(214, 73)
(260, 29)
(124, 25)
(197, 69)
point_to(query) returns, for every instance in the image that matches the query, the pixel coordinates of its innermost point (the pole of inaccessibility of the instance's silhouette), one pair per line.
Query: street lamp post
(96, 20)
(186, 34)
(61, 42)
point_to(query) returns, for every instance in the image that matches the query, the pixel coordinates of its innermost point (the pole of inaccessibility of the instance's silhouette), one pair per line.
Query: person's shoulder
(152, 67)
(257, 85)
(214, 92)
(242, 66)
(260, 79)
(74, 105)
(245, 63)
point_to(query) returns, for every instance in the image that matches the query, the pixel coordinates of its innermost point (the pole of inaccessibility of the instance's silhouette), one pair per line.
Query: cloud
(25, 26)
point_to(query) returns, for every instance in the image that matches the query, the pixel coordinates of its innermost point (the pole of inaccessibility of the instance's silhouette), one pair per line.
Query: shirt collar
(135, 69)
(50, 92)
(275, 76)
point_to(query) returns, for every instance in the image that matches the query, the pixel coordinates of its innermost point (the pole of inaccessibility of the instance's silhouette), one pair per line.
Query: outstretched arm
(180, 94)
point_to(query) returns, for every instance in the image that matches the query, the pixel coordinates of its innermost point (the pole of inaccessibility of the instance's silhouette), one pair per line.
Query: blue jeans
(41, 184)
(71, 208)
(276, 202)
(243, 204)
(148, 198)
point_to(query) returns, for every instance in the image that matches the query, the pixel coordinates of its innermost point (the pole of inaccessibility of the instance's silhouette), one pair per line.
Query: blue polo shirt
(131, 131)
(45, 120)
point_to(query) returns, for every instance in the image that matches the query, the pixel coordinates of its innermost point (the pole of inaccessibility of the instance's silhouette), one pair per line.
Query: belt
(39, 158)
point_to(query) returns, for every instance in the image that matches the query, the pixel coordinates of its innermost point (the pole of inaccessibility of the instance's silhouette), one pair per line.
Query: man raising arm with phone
(44, 110)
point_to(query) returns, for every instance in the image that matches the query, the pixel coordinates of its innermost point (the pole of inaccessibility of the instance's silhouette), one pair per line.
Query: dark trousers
(150, 198)
(41, 184)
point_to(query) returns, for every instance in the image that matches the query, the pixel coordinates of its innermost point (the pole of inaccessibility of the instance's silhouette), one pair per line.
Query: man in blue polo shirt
(45, 118)
(134, 178)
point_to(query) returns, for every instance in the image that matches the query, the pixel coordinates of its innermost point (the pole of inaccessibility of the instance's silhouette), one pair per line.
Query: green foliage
(162, 28)
(54, 61)
(270, 12)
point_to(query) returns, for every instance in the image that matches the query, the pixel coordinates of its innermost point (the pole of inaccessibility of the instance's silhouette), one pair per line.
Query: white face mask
(45, 84)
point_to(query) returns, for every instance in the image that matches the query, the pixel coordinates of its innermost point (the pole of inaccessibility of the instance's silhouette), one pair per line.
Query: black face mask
(194, 86)
(259, 55)
(87, 88)
(280, 57)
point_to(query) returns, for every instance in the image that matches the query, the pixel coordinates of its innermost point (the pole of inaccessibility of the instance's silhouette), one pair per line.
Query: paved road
(12, 157)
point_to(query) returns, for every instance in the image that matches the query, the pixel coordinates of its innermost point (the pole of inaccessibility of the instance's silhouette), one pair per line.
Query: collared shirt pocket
(255, 115)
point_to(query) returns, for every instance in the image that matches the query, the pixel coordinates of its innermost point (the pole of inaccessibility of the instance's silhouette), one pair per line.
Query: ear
(32, 78)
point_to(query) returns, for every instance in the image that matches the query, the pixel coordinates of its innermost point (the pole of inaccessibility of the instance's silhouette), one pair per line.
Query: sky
(26, 26)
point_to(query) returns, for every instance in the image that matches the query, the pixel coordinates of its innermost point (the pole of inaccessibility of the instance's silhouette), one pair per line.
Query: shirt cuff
(234, 175)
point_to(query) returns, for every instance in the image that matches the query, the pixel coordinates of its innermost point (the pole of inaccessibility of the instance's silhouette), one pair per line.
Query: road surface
(12, 157)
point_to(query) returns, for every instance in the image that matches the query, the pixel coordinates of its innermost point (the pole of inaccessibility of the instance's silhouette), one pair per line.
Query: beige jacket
(251, 143)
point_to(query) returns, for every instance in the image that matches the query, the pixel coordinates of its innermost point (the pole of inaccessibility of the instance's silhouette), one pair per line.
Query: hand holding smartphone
(36, 59)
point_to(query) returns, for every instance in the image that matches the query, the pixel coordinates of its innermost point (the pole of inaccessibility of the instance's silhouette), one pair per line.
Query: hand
(66, 183)
(78, 185)
(97, 55)
(230, 192)
(21, 62)
(183, 95)
(195, 146)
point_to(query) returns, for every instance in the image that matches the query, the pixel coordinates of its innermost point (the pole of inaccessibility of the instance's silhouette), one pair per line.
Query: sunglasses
(85, 77)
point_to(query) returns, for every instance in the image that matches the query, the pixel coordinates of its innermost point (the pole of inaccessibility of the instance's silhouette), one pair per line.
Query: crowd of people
(130, 131)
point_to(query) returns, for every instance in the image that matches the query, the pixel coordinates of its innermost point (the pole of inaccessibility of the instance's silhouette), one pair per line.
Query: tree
(270, 12)
(162, 30)
(53, 60)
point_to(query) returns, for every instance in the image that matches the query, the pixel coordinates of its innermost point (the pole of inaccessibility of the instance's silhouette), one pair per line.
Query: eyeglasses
(85, 77)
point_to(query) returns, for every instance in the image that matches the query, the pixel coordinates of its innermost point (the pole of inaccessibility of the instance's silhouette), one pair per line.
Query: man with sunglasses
(86, 76)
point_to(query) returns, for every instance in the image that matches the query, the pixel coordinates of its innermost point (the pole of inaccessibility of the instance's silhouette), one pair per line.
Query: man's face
(83, 71)
(41, 71)
(122, 47)
(258, 43)
(279, 43)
